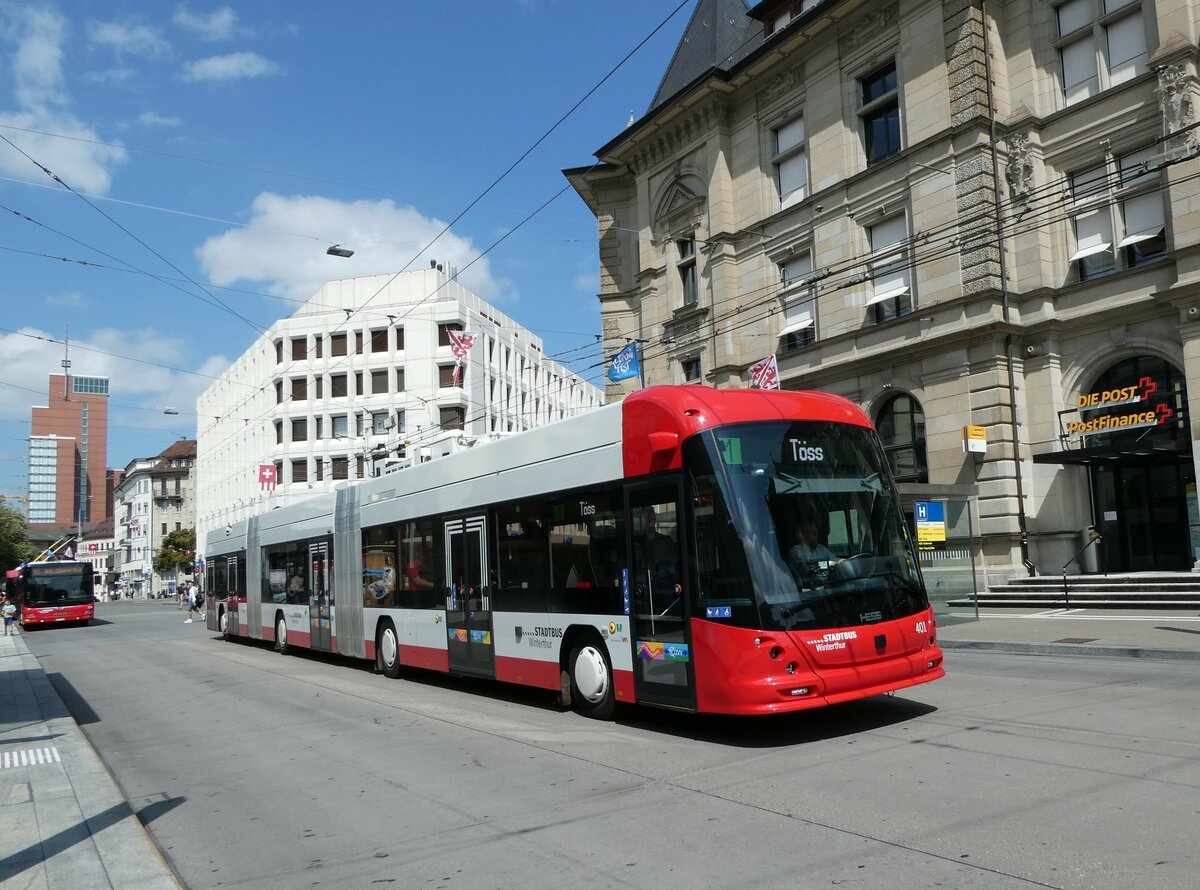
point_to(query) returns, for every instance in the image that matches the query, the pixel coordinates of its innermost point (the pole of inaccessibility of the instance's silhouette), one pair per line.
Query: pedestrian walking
(189, 596)
(9, 611)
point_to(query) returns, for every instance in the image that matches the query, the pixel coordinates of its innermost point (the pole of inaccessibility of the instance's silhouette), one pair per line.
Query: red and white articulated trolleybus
(52, 592)
(716, 551)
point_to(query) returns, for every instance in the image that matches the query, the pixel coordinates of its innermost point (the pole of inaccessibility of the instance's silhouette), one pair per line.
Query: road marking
(29, 757)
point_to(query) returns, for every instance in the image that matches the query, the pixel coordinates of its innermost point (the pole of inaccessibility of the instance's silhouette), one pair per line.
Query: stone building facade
(957, 213)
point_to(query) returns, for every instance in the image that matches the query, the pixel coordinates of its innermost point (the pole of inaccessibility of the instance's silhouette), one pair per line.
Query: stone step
(1049, 597)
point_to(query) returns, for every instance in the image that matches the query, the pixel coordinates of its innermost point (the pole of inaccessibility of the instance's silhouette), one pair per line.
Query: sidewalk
(1121, 633)
(63, 821)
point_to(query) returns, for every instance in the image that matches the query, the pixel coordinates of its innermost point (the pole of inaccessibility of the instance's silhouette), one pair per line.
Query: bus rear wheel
(592, 681)
(281, 643)
(387, 652)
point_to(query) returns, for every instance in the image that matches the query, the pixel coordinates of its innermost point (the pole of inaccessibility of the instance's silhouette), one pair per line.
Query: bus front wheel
(592, 681)
(387, 652)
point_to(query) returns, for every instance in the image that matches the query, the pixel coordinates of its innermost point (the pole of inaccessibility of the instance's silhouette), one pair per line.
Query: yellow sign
(974, 439)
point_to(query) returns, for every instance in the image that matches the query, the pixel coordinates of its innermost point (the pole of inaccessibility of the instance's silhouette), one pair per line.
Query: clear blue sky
(229, 146)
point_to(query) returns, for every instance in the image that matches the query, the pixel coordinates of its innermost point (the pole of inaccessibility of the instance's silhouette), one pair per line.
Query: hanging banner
(625, 364)
(765, 374)
(266, 477)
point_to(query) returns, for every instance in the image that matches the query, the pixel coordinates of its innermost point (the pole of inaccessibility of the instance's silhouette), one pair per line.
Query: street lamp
(338, 250)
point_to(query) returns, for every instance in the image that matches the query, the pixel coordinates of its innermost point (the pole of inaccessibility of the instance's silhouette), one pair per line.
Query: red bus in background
(52, 593)
(711, 551)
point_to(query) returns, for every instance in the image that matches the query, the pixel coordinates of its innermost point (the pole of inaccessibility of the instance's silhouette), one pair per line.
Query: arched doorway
(1133, 423)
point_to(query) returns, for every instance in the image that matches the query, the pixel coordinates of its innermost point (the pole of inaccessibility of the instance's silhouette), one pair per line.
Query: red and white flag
(765, 374)
(460, 345)
(266, 477)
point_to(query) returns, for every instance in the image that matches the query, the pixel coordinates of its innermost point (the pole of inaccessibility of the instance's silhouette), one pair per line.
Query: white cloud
(220, 24)
(131, 40)
(83, 165)
(71, 299)
(37, 60)
(233, 66)
(269, 253)
(36, 37)
(138, 390)
(150, 119)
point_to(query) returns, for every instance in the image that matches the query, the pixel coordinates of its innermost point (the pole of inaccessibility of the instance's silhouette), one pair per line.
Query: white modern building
(155, 498)
(361, 379)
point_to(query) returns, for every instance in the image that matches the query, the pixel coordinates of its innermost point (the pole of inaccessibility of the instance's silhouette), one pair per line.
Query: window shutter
(1079, 70)
(1126, 49)
(1143, 218)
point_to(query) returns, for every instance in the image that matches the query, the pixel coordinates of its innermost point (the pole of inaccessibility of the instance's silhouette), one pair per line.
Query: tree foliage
(14, 538)
(177, 553)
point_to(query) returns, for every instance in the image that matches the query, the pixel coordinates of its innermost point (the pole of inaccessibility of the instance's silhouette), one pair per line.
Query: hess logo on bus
(806, 454)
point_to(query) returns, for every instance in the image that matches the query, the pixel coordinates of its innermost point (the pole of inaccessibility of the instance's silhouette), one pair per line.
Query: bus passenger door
(468, 597)
(319, 596)
(659, 613)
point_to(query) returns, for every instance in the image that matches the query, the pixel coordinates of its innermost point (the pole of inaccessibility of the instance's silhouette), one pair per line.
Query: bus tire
(281, 643)
(387, 652)
(592, 680)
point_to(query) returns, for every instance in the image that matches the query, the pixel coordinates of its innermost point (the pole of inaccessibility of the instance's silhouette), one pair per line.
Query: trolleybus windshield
(822, 538)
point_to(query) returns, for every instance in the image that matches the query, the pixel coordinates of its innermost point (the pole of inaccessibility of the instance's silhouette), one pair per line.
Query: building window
(299, 389)
(278, 392)
(358, 343)
(300, 471)
(279, 432)
(319, 432)
(278, 352)
(686, 266)
(691, 369)
(880, 113)
(1101, 44)
(451, 418)
(319, 383)
(1093, 224)
(318, 343)
(379, 340)
(446, 376)
(399, 339)
(890, 294)
(340, 468)
(337, 344)
(299, 349)
(358, 383)
(901, 426)
(1141, 212)
(791, 162)
(444, 332)
(337, 386)
(799, 328)
(319, 469)
(338, 426)
(400, 421)
(299, 429)
(381, 422)
(1118, 219)
(399, 380)
(379, 382)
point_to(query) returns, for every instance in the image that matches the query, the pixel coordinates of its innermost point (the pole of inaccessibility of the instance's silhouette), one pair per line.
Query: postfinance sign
(1139, 414)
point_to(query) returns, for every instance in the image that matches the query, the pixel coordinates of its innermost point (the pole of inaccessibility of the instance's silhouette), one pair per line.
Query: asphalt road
(297, 771)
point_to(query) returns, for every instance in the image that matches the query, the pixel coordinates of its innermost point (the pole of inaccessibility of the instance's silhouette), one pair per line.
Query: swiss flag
(266, 477)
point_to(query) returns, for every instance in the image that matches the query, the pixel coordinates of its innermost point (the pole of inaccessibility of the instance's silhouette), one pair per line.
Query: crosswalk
(29, 757)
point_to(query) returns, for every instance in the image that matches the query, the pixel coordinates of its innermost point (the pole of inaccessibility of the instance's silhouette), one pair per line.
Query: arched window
(901, 425)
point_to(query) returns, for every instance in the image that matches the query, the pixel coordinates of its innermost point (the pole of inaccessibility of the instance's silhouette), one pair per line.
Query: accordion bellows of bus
(714, 551)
